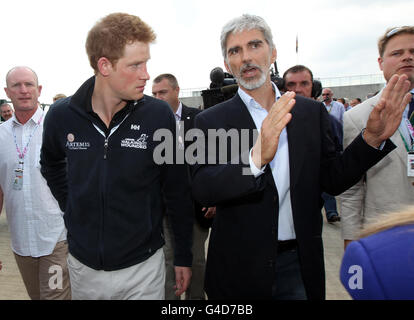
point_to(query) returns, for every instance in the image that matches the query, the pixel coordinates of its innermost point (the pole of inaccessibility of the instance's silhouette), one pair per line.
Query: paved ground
(11, 283)
(12, 287)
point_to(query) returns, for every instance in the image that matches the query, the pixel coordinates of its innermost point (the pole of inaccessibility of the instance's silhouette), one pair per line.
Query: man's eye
(233, 51)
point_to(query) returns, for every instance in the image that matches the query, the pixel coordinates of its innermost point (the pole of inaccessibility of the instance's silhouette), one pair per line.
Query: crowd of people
(89, 194)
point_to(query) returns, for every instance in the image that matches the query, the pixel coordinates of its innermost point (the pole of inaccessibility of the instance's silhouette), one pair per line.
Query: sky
(336, 38)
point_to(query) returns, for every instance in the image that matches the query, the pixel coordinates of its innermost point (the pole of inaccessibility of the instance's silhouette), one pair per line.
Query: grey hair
(245, 22)
(171, 79)
(6, 104)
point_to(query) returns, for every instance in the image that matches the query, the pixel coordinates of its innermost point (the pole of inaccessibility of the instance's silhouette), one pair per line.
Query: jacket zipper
(103, 190)
(105, 148)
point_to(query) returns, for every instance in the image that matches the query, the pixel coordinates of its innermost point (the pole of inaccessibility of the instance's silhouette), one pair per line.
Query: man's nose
(409, 55)
(144, 75)
(23, 88)
(246, 56)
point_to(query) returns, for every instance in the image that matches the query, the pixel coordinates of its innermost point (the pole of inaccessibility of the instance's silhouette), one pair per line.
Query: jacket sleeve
(341, 172)
(178, 203)
(352, 200)
(53, 159)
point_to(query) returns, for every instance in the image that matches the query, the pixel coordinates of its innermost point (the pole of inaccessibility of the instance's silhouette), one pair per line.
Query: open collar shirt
(33, 215)
(179, 112)
(336, 109)
(279, 166)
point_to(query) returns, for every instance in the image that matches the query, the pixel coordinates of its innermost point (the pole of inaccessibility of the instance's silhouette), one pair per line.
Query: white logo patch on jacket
(140, 143)
(71, 144)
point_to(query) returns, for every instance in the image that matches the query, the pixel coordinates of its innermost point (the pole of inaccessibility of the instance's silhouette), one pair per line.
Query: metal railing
(191, 92)
(326, 82)
(352, 80)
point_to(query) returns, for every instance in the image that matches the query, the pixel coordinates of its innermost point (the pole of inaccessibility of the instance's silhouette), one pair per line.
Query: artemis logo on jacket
(77, 145)
(72, 145)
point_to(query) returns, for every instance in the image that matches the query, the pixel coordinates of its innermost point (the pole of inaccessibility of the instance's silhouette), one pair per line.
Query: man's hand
(182, 279)
(210, 213)
(386, 116)
(276, 120)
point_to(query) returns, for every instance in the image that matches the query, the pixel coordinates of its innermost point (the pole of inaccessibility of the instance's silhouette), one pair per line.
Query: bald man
(38, 234)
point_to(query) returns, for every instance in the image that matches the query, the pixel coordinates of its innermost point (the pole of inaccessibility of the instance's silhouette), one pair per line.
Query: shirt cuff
(381, 145)
(255, 171)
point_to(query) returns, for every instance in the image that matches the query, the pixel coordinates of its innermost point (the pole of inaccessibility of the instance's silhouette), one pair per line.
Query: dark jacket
(337, 133)
(242, 250)
(111, 189)
(187, 116)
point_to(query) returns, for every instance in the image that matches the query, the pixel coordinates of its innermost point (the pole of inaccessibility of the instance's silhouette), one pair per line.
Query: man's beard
(254, 83)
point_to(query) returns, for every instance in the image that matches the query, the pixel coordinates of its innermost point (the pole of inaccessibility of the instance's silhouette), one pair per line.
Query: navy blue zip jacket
(112, 192)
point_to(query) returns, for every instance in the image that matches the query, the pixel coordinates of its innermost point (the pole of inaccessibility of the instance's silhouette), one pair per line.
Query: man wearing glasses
(334, 108)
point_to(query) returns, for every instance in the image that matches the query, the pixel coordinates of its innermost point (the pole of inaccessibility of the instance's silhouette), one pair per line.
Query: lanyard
(330, 109)
(411, 135)
(22, 153)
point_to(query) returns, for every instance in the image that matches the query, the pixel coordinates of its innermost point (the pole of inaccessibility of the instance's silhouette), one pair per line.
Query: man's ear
(104, 66)
(380, 63)
(7, 92)
(274, 55)
(227, 67)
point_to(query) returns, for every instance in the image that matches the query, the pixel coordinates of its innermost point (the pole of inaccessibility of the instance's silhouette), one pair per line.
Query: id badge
(18, 176)
(18, 179)
(410, 164)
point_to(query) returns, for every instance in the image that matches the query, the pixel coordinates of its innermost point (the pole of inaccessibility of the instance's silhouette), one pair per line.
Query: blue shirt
(336, 109)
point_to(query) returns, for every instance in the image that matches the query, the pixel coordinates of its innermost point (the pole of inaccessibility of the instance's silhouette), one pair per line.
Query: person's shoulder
(5, 128)
(191, 110)
(59, 107)
(307, 105)
(364, 108)
(222, 108)
(5, 123)
(154, 110)
(155, 104)
(308, 101)
(389, 239)
(369, 260)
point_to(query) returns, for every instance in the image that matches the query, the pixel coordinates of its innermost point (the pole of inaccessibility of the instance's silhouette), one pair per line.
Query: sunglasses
(392, 32)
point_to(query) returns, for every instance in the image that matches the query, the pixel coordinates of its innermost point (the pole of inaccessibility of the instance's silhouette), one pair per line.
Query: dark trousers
(288, 283)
